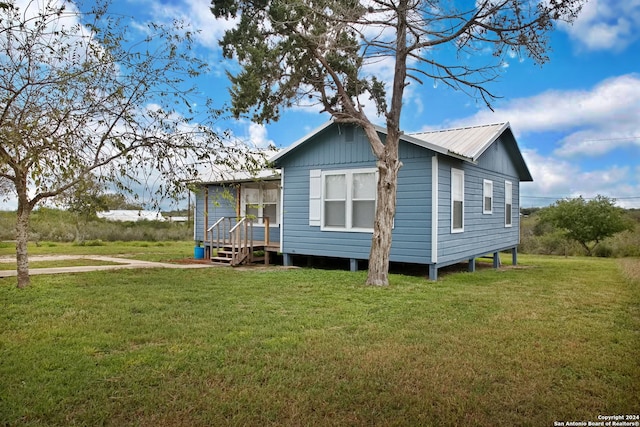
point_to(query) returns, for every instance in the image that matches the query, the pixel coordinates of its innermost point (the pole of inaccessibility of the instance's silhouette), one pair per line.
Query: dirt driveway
(119, 263)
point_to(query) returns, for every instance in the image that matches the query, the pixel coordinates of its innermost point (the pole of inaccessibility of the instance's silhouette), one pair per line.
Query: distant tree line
(58, 225)
(581, 227)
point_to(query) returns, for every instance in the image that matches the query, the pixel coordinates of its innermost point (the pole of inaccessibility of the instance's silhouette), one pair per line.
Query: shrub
(603, 250)
(95, 242)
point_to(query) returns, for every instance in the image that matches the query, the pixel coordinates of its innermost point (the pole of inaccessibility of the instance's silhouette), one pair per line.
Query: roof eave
(273, 177)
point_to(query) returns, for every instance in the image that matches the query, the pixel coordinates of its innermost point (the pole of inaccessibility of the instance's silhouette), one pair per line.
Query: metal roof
(469, 142)
(464, 143)
(233, 177)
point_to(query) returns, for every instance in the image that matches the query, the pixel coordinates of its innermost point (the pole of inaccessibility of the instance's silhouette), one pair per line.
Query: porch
(239, 241)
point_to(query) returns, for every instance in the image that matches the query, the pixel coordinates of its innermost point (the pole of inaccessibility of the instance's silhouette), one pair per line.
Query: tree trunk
(22, 238)
(383, 226)
(388, 161)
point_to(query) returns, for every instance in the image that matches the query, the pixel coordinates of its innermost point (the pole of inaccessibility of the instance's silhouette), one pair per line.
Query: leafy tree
(328, 53)
(81, 96)
(587, 222)
(119, 201)
(87, 198)
(83, 201)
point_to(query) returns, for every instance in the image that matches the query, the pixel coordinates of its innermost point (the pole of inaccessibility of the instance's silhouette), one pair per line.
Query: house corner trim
(434, 208)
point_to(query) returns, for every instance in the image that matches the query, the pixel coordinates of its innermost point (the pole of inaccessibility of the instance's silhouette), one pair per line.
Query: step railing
(239, 237)
(218, 233)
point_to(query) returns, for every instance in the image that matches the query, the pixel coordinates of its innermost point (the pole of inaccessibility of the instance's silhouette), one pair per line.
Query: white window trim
(508, 201)
(460, 173)
(484, 196)
(349, 199)
(273, 222)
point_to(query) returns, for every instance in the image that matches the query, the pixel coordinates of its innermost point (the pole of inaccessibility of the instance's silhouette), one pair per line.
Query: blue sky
(576, 119)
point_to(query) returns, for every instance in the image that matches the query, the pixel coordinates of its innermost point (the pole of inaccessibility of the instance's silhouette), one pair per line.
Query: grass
(78, 262)
(145, 251)
(554, 340)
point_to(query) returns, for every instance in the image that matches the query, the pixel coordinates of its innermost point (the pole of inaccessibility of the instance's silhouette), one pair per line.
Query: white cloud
(554, 177)
(606, 25)
(195, 13)
(597, 142)
(596, 121)
(258, 136)
(590, 123)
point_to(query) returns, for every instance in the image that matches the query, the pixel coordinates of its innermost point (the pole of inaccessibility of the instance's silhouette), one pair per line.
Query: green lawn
(145, 251)
(77, 262)
(555, 340)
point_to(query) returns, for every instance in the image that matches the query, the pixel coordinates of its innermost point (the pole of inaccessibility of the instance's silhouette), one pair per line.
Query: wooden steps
(243, 254)
(231, 242)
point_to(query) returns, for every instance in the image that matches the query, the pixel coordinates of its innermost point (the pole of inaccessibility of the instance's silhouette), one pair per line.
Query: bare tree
(327, 52)
(81, 96)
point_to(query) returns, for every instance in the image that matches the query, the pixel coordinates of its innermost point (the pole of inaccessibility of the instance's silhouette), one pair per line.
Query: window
(260, 201)
(363, 199)
(487, 197)
(508, 204)
(349, 200)
(335, 201)
(457, 201)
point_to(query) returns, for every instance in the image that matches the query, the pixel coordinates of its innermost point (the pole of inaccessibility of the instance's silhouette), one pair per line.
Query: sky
(576, 118)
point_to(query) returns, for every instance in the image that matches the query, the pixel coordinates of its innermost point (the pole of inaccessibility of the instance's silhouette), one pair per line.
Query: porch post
(206, 213)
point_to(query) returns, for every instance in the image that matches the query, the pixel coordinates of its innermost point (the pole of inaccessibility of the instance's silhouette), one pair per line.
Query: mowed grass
(557, 339)
(76, 262)
(145, 251)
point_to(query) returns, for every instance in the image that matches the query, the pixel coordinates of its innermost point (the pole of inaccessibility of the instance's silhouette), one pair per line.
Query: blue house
(457, 200)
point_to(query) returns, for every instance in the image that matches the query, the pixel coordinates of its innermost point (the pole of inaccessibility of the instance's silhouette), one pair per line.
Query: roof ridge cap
(459, 128)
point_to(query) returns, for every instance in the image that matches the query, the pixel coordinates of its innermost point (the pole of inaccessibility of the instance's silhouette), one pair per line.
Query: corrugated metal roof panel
(227, 177)
(469, 142)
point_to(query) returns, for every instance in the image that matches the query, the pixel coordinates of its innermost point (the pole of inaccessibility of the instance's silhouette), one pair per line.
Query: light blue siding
(329, 151)
(483, 233)
(412, 225)
(499, 158)
(221, 200)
